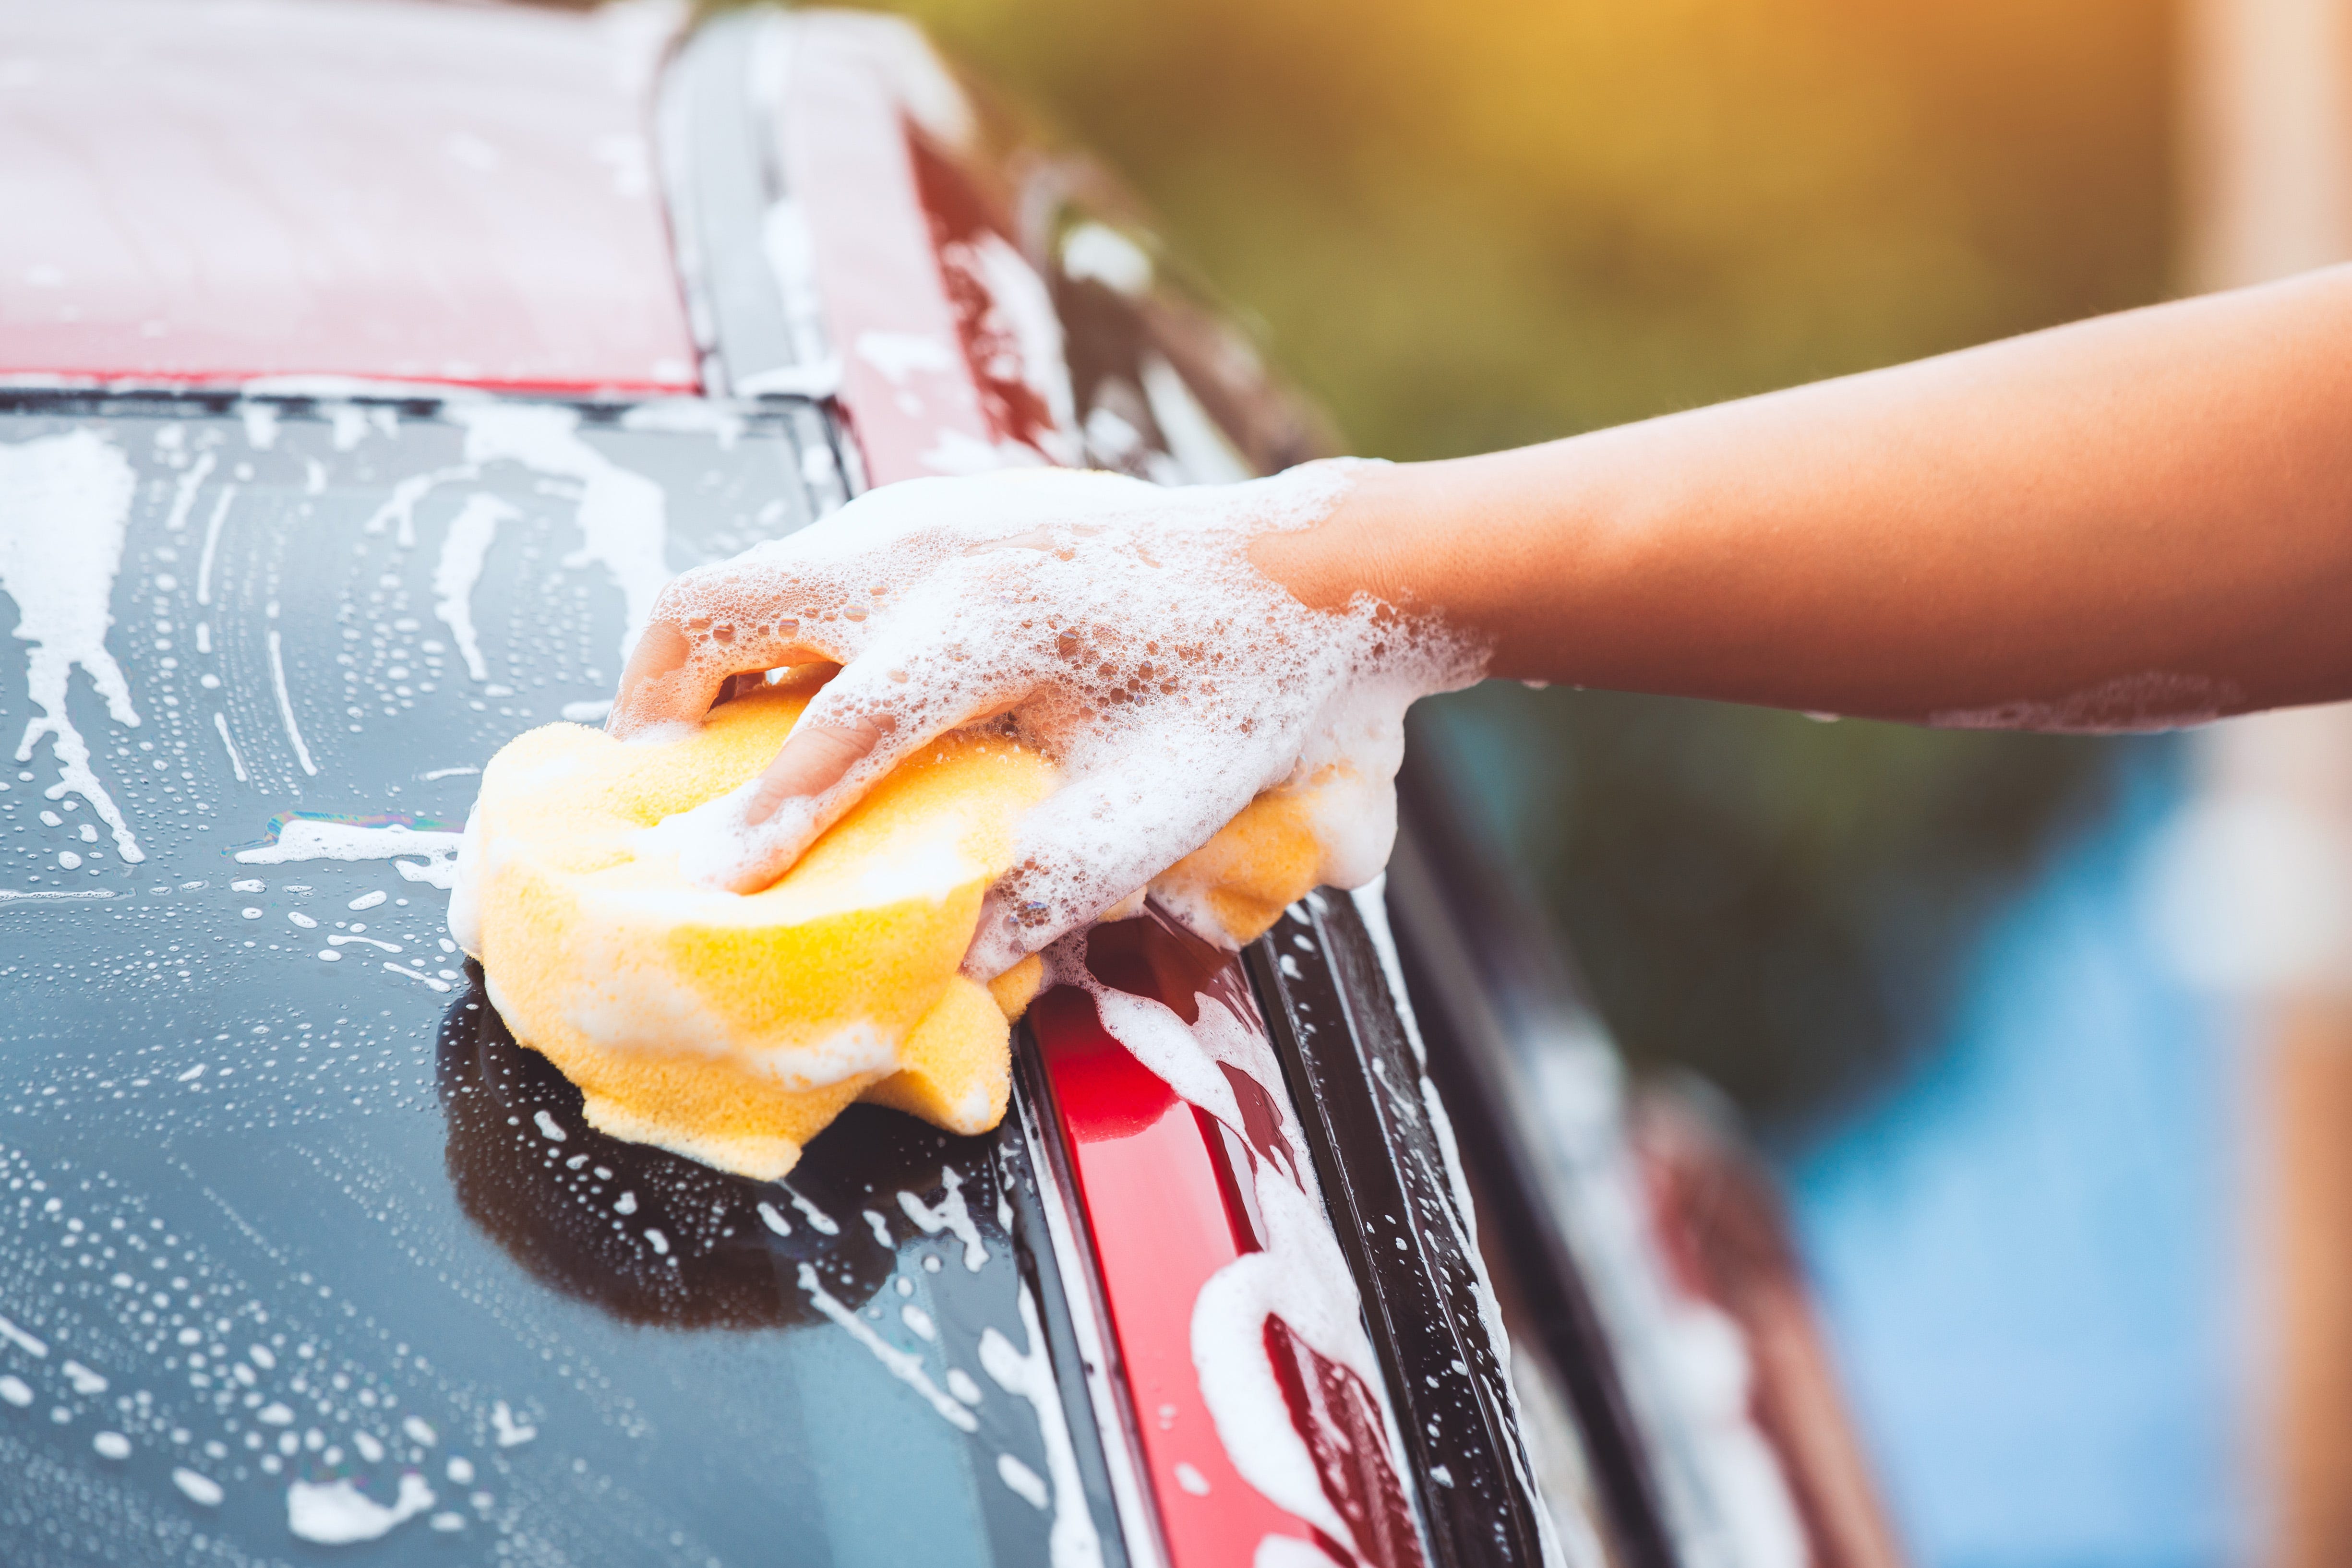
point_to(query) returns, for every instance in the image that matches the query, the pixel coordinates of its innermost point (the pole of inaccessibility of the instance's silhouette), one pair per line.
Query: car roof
(216, 191)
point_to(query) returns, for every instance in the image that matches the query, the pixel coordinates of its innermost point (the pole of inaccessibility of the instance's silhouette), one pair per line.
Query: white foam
(260, 425)
(906, 1368)
(951, 600)
(184, 494)
(200, 1490)
(819, 1220)
(1097, 253)
(1301, 1278)
(304, 839)
(464, 548)
(212, 543)
(951, 1215)
(65, 500)
(285, 702)
(337, 1513)
(1029, 1374)
(1191, 1058)
(623, 526)
(1025, 1482)
(511, 1430)
(29, 1343)
(235, 762)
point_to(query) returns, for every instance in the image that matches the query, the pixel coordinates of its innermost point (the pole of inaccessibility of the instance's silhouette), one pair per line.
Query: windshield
(299, 1251)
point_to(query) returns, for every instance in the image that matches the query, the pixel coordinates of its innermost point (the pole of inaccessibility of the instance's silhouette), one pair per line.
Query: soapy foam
(2127, 705)
(65, 501)
(621, 517)
(952, 600)
(1300, 1276)
(285, 702)
(306, 838)
(951, 1215)
(184, 494)
(1072, 1543)
(337, 1513)
(463, 551)
(213, 526)
(906, 1368)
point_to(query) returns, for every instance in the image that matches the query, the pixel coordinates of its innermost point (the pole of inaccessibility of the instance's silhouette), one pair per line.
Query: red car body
(301, 198)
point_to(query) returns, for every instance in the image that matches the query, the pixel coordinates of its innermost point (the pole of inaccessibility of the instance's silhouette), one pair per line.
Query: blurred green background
(1463, 226)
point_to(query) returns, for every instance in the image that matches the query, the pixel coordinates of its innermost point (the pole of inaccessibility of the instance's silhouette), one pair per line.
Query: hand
(1118, 627)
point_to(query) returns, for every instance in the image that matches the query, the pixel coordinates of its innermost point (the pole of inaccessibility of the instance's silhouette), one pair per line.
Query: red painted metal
(1153, 1180)
(207, 192)
(935, 315)
(934, 377)
(1168, 1198)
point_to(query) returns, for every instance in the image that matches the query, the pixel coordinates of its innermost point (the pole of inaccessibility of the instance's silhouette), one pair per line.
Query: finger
(814, 759)
(686, 658)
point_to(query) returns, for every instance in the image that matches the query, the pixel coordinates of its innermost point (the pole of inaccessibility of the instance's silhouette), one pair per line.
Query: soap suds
(819, 1220)
(285, 702)
(183, 494)
(312, 839)
(949, 602)
(1301, 1278)
(906, 1368)
(1029, 1375)
(1026, 1482)
(67, 501)
(236, 762)
(463, 551)
(621, 517)
(212, 544)
(30, 1345)
(951, 1215)
(2128, 704)
(510, 1430)
(337, 1513)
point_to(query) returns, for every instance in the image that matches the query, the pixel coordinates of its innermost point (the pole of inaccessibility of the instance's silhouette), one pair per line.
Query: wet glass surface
(301, 1256)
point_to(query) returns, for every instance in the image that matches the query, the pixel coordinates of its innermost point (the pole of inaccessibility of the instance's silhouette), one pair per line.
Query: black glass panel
(301, 1256)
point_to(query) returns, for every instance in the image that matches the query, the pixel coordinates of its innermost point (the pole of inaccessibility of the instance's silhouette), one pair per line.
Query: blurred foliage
(1468, 225)
(1771, 902)
(1475, 223)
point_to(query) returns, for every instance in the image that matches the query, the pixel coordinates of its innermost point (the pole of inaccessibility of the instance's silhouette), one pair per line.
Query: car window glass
(297, 1248)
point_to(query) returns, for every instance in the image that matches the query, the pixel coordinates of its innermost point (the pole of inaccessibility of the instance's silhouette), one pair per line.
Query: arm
(2131, 522)
(2136, 520)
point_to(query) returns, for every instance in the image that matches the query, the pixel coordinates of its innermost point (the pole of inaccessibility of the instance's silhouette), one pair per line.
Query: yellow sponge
(733, 1028)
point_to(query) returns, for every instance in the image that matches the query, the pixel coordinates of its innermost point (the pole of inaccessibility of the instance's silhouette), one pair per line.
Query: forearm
(2143, 518)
